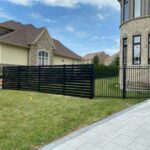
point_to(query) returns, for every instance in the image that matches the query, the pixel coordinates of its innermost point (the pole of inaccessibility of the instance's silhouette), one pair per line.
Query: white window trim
(41, 50)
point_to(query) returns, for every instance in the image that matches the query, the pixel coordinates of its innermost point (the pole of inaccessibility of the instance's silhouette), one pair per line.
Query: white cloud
(94, 38)
(80, 34)
(5, 15)
(36, 15)
(70, 28)
(102, 16)
(22, 2)
(69, 3)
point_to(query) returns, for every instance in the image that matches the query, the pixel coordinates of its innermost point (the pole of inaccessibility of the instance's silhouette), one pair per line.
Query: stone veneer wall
(139, 76)
(141, 27)
(42, 44)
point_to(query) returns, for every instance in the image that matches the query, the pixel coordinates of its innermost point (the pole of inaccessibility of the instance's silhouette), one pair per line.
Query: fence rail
(81, 80)
(71, 80)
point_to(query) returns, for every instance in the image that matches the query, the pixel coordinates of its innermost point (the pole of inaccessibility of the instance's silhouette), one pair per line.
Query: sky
(84, 26)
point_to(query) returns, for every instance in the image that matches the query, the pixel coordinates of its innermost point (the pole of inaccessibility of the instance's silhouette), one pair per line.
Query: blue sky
(82, 25)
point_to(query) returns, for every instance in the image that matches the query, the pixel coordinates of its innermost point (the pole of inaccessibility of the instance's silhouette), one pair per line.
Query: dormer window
(43, 58)
(126, 10)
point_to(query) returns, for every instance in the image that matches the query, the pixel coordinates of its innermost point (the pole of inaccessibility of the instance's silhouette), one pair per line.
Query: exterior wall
(144, 9)
(136, 77)
(87, 61)
(13, 55)
(59, 60)
(42, 44)
(128, 30)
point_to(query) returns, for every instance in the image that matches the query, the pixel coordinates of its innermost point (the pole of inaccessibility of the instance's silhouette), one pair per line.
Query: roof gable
(12, 25)
(26, 35)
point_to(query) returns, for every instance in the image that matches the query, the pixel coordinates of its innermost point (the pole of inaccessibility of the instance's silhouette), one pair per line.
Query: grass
(110, 87)
(29, 120)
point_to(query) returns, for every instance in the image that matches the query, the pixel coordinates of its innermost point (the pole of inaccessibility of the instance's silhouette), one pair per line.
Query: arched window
(43, 58)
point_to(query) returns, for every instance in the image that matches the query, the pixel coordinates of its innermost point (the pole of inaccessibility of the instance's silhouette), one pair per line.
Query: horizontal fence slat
(72, 80)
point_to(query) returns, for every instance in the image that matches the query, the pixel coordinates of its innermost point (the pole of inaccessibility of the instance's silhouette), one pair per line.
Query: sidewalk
(127, 130)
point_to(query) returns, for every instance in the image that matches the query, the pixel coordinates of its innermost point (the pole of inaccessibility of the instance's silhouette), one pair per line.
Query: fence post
(3, 76)
(64, 78)
(92, 81)
(39, 85)
(124, 81)
(19, 77)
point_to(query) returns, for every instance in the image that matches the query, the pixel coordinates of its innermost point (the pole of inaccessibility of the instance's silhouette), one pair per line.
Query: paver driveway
(128, 130)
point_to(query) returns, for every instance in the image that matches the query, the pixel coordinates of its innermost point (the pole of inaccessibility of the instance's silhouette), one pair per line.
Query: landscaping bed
(30, 120)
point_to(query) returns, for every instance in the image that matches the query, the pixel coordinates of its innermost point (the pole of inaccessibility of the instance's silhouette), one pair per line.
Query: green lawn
(29, 120)
(108, 87)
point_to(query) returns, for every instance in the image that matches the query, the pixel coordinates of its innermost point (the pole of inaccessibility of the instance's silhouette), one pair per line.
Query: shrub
(102, 71)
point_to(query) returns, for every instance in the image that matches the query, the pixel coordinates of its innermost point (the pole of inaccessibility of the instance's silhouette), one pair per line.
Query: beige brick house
(27, 45)
(135, 41)
(135, 32)
(103, 57)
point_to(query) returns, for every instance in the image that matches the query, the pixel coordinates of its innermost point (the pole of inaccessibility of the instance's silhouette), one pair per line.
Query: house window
(137, 50)
(125, 46)
(125, 10)
(43, 58)
(149, 49)
(137, 8)
(148, 7)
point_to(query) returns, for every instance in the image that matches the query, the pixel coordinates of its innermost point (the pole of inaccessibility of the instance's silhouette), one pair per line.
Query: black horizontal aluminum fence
(81, 80)
(71, 80)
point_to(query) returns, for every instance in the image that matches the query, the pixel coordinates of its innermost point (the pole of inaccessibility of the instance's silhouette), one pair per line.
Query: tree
(96, 60)
(115, 62)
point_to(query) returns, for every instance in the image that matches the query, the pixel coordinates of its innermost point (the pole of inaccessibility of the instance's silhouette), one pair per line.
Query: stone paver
(127, 130)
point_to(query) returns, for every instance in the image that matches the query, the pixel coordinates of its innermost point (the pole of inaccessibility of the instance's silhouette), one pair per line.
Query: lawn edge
(78, 132)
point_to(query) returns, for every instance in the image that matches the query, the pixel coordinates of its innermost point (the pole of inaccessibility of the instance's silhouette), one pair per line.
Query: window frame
(134, 9)
(148, 7)
(124, 4)
(41, 59)
(133, 44)
(124, 46)
(148, 49)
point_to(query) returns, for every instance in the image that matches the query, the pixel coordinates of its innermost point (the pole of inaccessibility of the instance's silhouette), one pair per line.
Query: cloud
(94, 38)
(22, 2)
(36, 15)
(102, 16)
(70, 28)
(5, 15)
(80, 34)
(69, 3)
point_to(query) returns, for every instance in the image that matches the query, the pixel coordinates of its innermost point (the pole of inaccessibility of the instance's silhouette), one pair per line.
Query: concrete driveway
(127, 130)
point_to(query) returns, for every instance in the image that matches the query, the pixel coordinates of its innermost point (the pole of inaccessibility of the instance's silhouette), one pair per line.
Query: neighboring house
(112, 58)
(27, 45)
(88, 58)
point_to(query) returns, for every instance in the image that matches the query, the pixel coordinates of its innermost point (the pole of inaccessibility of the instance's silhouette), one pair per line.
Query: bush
(102, 71)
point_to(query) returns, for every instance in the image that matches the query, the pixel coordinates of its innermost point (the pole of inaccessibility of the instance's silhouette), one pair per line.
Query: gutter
(10, 43)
